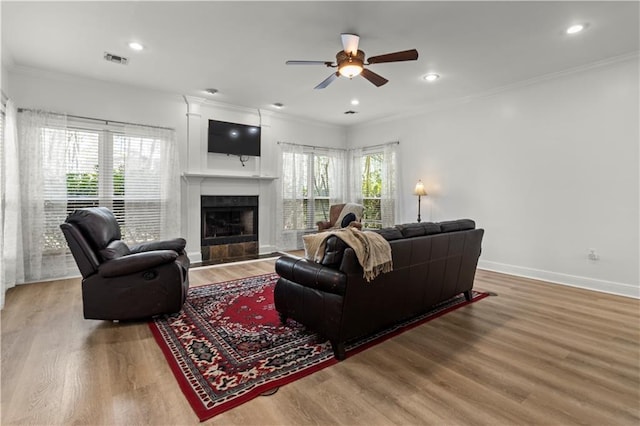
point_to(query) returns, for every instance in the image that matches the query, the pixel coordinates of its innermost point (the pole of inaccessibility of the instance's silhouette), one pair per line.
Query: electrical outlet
(593, 255)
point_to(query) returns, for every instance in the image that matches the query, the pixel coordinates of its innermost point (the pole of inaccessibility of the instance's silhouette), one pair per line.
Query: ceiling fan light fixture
(350, 70)
(350, 65)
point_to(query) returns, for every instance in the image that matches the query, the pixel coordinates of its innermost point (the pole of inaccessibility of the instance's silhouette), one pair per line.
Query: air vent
(351, 112)
(115, 58)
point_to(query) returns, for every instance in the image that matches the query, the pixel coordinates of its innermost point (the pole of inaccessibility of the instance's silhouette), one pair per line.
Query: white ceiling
(240, 48)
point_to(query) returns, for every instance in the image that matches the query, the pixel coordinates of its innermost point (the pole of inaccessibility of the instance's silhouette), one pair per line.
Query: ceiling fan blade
(350, 43)
(308, 63)
(376, 79)
(327, 81)
(405, 55)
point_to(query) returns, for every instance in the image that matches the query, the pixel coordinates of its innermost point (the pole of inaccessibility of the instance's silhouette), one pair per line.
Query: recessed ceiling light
(575, 29)
(431, 77)
(211, 91)
(136, 46)
(355, 102)
(278, 105)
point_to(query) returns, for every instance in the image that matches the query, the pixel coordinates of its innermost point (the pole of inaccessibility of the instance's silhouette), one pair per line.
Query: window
(74, 163)
(103, 168)
(373, 184)
(306, 178)
(372, 190)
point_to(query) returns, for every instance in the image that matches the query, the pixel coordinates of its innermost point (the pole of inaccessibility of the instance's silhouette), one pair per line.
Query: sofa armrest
(136, 263)
(175, 244)
(312, 275)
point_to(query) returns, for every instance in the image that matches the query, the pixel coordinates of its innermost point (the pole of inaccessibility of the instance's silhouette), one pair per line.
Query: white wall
(549, 170)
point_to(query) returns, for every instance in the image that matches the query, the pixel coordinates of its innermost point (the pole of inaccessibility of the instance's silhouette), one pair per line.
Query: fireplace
(229, 227)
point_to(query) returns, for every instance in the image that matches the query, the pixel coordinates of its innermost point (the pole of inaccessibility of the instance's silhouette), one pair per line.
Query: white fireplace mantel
(205, 175)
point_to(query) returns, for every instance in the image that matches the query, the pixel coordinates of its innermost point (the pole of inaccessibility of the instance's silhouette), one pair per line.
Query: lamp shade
(419, 190)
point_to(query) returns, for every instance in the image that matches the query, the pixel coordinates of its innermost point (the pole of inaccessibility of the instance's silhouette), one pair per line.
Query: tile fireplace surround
(229, 227)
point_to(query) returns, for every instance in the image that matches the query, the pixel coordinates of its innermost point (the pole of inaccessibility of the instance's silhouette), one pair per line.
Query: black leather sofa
(432, 262)
(121, 282)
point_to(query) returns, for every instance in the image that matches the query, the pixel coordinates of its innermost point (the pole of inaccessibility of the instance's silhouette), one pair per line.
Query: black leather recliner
(122, 283)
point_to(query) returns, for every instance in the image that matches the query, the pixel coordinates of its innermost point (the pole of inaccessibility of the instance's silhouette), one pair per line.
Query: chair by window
(341, 216)
(121, 282)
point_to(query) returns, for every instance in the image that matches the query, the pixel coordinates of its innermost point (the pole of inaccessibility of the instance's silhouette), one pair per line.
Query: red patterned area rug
(227, 345)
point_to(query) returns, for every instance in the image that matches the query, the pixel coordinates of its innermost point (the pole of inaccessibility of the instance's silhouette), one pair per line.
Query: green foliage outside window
(372, 190)
(85, 185)
(372, 176)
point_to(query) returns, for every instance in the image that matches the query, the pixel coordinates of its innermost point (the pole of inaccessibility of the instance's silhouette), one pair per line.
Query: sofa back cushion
(409, 230)
(457, 225)
(431, 228)
(390, 234)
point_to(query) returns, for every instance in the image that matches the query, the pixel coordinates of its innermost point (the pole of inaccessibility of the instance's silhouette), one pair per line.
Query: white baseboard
(602, 286)
(195, 256)
(267, 249)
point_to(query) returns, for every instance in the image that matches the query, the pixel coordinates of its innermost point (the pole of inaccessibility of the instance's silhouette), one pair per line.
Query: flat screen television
(232, 138)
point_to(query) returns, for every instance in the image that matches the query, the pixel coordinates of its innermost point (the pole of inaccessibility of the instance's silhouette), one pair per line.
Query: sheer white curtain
(389, 197)
(338, 176)
(149, 158)
(291, 215)
(355, 175)
(43, 146)
(11, 254)
(313, 178)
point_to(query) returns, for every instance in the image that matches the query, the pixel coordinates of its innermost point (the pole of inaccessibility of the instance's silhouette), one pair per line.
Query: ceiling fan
(350, 62)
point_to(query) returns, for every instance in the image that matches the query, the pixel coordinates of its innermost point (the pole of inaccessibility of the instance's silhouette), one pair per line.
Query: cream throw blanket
(371, 249)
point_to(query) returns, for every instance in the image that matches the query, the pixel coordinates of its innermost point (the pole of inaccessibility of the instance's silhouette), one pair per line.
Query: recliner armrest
(310, 274)
(136, 263)
(323, 224)
(175, 244)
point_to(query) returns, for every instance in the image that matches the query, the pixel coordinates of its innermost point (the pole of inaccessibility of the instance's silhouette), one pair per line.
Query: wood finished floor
(537, 353)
